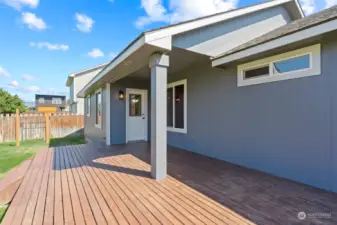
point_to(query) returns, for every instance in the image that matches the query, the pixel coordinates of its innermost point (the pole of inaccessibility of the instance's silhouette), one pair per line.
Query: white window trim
(172, 85)
(88, 105)
(313, 51)
(99, 125)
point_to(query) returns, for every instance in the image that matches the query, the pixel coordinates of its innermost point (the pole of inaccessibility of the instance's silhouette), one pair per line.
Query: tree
(9, 103)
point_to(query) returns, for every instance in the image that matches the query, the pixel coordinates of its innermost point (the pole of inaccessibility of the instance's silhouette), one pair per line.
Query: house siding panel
(221, 37)
(286, 128)
(90, 130)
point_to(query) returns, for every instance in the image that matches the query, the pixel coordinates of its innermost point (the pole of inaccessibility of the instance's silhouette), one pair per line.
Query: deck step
(11, 182)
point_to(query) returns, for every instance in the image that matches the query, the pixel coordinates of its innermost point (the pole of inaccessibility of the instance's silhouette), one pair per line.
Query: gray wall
(118, 108)
(221, 37)
(90, 130)
(287, 128)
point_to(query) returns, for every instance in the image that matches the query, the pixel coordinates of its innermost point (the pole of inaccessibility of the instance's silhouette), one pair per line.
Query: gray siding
(219, 38)
(118, 108)
(287, 128)
(90, 130)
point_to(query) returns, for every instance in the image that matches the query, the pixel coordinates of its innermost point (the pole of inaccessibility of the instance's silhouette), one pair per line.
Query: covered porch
(95, 184)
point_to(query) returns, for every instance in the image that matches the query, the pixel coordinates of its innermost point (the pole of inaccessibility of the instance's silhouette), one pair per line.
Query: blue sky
(42, 41)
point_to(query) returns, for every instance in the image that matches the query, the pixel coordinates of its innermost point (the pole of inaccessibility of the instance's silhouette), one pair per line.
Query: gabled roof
(81, 72)
(297, 25)
(161, 37)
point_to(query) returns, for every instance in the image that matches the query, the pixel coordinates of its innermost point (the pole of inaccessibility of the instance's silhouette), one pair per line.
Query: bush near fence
(33, 125)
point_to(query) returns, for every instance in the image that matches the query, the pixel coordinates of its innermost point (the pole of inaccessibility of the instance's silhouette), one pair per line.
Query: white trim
(201, 22)
(282, 41)
(144, 107)
(88, 105)
(172, 85)
(116, 61)
(107, 116)
(313, 51)
(152, 37)
(98, 91)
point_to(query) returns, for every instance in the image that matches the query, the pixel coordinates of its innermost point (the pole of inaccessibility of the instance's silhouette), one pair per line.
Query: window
(41, 100)
(295, 64)
(177, 106)
(99, 108)
(135, 107)
(88, 105)
(56, 101)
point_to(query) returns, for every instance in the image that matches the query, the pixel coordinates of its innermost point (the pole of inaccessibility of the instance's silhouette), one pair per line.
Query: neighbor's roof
(297, 25)
(88, 70)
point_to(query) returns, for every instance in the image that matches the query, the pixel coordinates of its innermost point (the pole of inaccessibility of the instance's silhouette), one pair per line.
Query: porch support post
(107, 115)
(159, 64)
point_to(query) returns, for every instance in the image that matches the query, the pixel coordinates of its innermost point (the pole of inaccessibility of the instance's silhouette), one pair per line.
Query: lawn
(69, 140)
(2, 212)
(11, 156)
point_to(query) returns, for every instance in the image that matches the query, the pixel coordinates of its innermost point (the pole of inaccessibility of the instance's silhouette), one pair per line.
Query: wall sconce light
(121, 95)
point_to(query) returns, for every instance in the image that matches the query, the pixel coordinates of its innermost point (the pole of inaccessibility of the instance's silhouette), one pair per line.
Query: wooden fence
(33, 125)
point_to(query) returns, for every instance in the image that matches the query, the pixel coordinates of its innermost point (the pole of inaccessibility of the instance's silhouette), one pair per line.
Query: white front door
(136, 115)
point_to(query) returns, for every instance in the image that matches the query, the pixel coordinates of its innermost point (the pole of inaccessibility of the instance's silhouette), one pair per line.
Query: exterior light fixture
(121, 95)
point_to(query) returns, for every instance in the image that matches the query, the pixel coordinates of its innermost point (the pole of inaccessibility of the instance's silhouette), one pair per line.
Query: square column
(107, 116)
(159, 64)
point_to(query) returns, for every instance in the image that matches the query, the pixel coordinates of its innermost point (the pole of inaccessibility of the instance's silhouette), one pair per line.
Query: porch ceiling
(179, 59)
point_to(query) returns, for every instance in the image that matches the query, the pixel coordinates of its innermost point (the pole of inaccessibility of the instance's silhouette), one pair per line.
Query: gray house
(256, 86)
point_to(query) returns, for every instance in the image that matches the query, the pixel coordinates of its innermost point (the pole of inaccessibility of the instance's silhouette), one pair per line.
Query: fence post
(17, 127)
(47, 128)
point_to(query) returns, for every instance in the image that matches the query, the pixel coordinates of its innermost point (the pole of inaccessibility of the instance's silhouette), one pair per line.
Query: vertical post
(47, 128)
(159, 64)
(17, 127)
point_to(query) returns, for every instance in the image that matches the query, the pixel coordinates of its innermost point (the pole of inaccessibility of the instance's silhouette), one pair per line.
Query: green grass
(70, 140)
(3, 210)
(11, 156)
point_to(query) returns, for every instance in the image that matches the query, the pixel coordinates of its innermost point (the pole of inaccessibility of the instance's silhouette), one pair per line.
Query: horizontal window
(295, 64)
(56, 101)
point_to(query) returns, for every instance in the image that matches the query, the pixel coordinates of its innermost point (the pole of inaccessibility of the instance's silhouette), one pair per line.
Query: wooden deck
(93, 184)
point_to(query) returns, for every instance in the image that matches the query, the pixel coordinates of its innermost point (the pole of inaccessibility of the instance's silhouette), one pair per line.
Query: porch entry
(136, 115)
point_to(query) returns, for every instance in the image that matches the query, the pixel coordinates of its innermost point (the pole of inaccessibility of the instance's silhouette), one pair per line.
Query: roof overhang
(160, 40)
(283, 41)
(75, 74)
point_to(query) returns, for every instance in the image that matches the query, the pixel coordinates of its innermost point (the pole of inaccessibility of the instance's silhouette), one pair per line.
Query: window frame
(314, 52)
(88, 99)
(42, 102)
(96, 107)
(58, 100)
(173, 85)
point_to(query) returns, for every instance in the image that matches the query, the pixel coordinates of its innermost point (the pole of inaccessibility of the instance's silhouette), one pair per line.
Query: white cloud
(32, 89)
(19, 4)
(14, 84)
(330, 3)
(3, 72)
(95, 53)
(84, 23)
(308, 6)
(33, 22)
(27, 77)
(181, 10)
(49, 46)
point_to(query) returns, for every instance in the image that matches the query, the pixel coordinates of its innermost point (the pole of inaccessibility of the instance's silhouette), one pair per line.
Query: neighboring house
(76, 82)
(255, 86)
(50, 103)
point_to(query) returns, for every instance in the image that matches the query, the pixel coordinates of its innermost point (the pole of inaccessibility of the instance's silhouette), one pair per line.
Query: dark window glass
(288, 65)
(258, 72)
(135, 103)
(99, 108)
(170, 107)
(179, 106)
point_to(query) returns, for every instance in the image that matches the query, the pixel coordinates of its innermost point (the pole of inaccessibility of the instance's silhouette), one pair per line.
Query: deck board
(94, 184)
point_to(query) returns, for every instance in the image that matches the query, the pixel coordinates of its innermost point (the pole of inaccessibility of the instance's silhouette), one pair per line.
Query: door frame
(145, 102)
